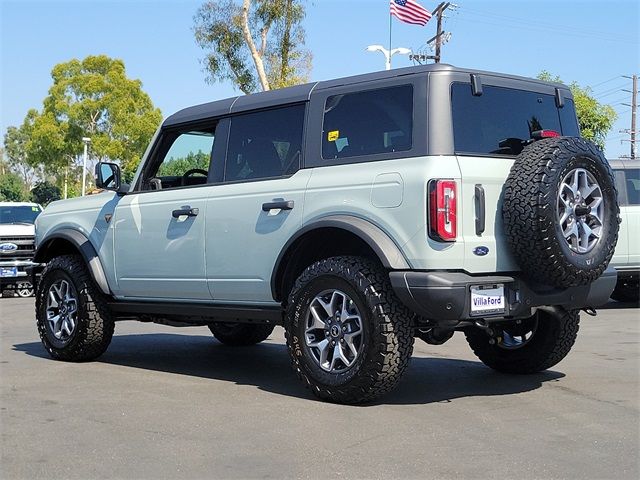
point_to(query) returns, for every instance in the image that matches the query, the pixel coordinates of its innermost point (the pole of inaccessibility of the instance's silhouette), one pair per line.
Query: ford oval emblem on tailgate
(481, 251)
(8, 247)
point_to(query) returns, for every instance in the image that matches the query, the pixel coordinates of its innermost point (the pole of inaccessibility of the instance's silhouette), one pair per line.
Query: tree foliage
(595, 119)
(15, 141)
(178, 166)
(253, 43)
(92, 98)
(11, 188)
(44, 193)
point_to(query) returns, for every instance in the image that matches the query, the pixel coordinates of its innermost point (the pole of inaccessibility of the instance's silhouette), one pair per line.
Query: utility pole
(438, 12)
(634, 106)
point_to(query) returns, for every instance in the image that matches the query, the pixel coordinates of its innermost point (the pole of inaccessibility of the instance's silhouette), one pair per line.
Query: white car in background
(17, 234)
(626, 259)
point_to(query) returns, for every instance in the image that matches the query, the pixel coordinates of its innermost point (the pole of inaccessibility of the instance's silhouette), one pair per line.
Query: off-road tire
(530, 212)
(552, 340)
(387, 326)
(240, 334)
(626, 292)
(94, 321)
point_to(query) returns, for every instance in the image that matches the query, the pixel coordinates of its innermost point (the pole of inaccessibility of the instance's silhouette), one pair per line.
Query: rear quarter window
(368, 123)
(501, 119)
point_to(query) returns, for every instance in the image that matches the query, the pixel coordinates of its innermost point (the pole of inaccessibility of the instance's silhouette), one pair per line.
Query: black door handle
(189, 212)
(480, 209)
(279, 205)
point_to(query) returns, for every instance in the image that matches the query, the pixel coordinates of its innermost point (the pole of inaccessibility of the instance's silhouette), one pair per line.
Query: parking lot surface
(173, 403)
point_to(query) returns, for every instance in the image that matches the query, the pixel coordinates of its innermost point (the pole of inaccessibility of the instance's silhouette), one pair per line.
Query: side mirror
(108, 176)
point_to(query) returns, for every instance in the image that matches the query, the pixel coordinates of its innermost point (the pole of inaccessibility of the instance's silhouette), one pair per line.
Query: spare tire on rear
(560, 211)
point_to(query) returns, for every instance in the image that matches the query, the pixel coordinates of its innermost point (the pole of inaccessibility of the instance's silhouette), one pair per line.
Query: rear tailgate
(491, 128)
(485, 251)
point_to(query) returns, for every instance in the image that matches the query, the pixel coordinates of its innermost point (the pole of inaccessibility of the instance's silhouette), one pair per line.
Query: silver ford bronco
(357, 213)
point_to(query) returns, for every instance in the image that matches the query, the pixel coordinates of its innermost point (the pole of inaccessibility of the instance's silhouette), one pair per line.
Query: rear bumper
(446, 296)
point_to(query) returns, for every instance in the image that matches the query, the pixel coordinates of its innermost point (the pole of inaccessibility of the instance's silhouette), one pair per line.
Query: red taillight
(442, 210)
(540, 134)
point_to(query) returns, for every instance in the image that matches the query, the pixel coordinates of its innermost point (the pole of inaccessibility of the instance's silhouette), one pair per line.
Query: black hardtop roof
(302, 93)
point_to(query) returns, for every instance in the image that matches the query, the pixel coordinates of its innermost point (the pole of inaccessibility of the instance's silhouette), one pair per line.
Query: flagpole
(390, 23)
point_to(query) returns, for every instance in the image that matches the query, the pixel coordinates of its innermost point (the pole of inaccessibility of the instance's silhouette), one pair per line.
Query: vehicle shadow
(267, 367)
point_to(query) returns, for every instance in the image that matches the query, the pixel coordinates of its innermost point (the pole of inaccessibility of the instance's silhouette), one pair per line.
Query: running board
(215, 312)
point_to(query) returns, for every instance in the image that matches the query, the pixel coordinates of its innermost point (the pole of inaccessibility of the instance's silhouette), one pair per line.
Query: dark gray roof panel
(200, 112)
(281, 96)
(301, 93)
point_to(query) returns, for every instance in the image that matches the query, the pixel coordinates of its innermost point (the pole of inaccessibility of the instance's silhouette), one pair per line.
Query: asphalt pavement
(169, 403)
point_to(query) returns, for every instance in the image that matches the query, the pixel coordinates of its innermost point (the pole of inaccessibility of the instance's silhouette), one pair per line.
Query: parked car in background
(626, 259)
(17, 234)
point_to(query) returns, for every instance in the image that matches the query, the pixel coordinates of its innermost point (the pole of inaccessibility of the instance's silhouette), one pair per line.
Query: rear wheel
(533, 345)
(73, 318)
(349, 337)
(240, 334)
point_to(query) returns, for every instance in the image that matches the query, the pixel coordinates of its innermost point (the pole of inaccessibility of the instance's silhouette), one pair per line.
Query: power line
(539, 26)
(607, 90)
(606, 81)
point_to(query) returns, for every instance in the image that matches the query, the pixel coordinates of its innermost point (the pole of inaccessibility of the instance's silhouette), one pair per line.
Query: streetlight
(86, 141)
(388, 54)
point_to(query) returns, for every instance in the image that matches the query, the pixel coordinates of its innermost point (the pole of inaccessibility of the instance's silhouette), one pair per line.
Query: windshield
(19, 214)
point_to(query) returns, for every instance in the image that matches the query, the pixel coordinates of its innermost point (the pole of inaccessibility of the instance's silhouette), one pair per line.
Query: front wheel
(73, 318)
(349, 337)
(24, 290)
(526, 346)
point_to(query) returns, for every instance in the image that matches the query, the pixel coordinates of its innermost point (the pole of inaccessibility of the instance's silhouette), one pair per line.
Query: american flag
(410, 12)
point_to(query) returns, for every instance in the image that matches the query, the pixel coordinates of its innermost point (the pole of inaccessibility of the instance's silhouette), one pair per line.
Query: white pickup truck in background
(17, 234)
(626, 259)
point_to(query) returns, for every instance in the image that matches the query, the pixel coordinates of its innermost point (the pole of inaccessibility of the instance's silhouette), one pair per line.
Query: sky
(594, 43)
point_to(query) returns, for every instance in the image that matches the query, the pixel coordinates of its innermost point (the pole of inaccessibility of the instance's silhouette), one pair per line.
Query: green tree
(253, 43)
(92, 98)
(595, 119)
(11, 188)
(44, 193)
(178, 166)
(15, 147)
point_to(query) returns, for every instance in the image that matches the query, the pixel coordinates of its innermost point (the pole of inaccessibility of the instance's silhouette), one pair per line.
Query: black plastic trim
(476, 85)
(240, 313)
(384, 247)
(481, 209)
(86, 249)
(445, 296)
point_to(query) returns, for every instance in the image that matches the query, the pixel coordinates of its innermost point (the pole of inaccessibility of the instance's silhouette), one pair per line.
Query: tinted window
(19, 214)
(568, 119)
(501, 119)
(633, 186)
(366, 123)
(265, 144)
(182, 159)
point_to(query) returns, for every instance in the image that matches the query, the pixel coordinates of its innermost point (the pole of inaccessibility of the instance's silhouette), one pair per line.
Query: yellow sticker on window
(333, 135)
(35, 209)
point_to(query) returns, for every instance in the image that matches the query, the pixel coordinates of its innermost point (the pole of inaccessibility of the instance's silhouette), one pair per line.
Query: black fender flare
(84, 247)
(384, 247)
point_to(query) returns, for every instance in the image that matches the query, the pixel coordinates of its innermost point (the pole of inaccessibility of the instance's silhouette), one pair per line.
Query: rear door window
(501, 120)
